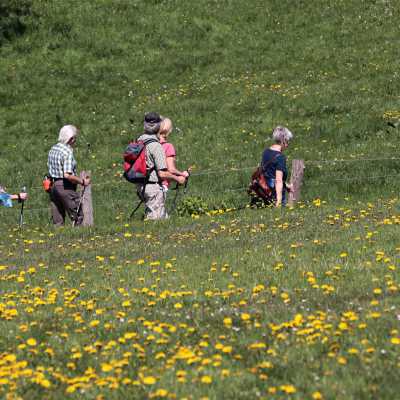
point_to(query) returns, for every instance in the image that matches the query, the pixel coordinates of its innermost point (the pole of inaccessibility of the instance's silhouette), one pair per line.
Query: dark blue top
(278, 163)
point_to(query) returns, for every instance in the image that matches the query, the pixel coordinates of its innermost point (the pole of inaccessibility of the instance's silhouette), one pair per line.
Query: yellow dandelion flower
(317, 396)
(149, 380)
(10, 358)
(342, 360)
(257, 346)
(71, 389)
(206, 379)
(106, 367)
(288, 389)
(45, 383)
(31, 342)
(227, 349)
(343, 326)
(352, 351)
(160, 393)
(245, 316)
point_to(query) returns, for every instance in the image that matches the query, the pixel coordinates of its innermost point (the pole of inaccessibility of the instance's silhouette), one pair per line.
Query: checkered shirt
(61, 161)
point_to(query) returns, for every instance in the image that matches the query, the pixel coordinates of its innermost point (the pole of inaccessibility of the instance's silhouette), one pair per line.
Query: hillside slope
(226, 72)
(242, 303)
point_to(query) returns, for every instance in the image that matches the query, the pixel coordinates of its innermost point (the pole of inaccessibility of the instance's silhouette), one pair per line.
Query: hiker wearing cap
(169, 150)
(6, 198)
(273, 165)
(152, 192)
(62, 172)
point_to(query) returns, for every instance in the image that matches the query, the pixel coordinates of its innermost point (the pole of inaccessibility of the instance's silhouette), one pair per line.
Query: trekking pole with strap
(21, 214)
(138, 205)
(185, 187)
(141, 199)
(173, 206)
(79, 206)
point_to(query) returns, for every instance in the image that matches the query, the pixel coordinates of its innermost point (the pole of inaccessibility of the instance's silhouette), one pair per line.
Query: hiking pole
(135, 209)
(187, 181)
(79, 207)
(185, 187)
(172, 209)
(21, 213)
(141, 200)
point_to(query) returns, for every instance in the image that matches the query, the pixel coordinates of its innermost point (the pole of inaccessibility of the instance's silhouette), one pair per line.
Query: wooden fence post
(87, 205)
(296, 180)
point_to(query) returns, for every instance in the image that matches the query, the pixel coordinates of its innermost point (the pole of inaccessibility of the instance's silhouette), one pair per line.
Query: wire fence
(243, 189)
(223, 171)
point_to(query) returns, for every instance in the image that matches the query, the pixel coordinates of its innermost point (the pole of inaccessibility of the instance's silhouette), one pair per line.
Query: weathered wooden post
(296, 180)
(87, 205)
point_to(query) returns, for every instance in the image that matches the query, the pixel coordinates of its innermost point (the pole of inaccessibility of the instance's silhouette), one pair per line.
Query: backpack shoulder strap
(150, 170)
(148, 141)
(264, 166)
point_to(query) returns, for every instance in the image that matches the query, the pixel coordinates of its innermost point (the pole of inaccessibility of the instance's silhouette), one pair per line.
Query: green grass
(300, 288)
(226, 72)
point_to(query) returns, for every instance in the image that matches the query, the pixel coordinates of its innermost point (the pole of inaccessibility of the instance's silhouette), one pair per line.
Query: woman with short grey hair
(282, 135)
(273, 164)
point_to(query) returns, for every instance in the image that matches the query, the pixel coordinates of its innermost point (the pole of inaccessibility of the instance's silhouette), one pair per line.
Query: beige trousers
(154, 200)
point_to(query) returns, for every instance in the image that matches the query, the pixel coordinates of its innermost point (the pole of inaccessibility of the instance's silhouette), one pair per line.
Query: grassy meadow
(298, 303)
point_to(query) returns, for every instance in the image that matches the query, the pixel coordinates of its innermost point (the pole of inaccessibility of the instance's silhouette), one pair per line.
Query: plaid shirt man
(61, 161)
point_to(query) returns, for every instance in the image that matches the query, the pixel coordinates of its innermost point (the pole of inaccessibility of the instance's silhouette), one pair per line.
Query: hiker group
(149, 162)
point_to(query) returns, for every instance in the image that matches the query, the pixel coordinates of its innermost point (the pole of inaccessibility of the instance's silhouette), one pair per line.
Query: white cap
(67, 132)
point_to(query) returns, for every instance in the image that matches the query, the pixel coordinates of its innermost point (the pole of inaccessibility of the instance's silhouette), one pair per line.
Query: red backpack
(135, 161)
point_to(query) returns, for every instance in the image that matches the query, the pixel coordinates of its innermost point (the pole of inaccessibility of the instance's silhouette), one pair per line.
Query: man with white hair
(62, 171)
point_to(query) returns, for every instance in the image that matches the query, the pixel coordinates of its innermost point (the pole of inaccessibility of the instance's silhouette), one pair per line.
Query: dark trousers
(65, 200)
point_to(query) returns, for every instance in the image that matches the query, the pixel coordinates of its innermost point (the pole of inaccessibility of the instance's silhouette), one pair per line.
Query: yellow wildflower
(206, 379)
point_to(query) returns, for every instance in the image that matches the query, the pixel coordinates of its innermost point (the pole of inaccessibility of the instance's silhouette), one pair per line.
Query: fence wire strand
(249, 168)
(244, 188)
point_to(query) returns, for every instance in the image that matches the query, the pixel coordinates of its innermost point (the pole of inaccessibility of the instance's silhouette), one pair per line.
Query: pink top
(169, 151)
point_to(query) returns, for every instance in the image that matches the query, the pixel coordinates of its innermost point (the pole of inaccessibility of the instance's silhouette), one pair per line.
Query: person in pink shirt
(170, 153)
